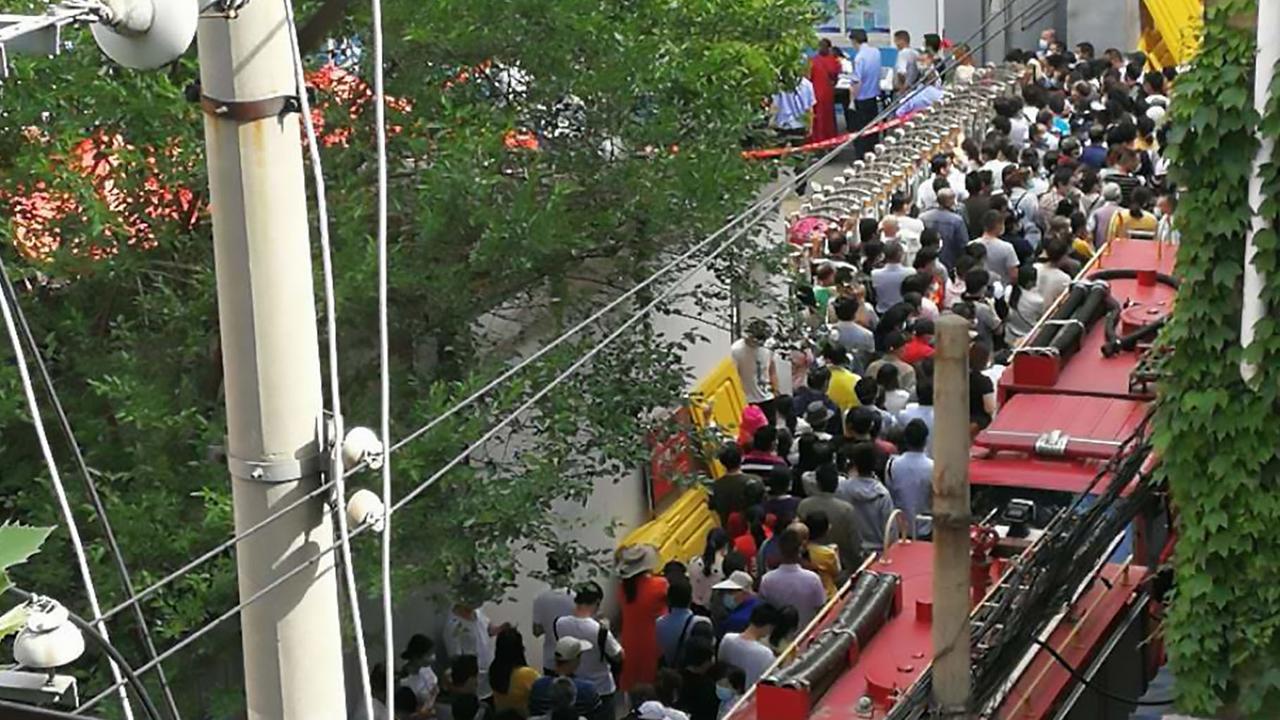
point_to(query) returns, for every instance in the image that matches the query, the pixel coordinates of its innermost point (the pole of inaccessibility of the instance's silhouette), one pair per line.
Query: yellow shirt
(825, 561)
(841, 389)
(517, 696)
(1124, 225)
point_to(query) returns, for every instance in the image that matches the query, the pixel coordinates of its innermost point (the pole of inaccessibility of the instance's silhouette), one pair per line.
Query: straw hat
(636, 559)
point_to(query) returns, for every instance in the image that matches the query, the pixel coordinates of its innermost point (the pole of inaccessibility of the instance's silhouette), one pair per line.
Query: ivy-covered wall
(1218, 436)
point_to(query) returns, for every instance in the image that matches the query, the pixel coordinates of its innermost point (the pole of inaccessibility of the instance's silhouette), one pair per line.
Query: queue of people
(993, 235)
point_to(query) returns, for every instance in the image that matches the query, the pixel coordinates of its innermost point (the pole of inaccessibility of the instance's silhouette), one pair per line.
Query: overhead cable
(60, 493)
(384, 353)
(90, 485)
(336, 471)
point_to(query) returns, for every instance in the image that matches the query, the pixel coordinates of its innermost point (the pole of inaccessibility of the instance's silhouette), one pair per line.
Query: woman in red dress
(824, 69)
(644, 600)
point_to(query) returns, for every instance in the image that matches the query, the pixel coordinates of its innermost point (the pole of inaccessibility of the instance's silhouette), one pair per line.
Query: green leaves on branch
(1217, 435)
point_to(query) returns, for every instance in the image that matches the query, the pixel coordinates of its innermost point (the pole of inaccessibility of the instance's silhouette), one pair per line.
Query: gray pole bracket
(278, 471)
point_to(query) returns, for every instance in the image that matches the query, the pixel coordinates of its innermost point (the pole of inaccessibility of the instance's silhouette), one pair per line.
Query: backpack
(602, 642)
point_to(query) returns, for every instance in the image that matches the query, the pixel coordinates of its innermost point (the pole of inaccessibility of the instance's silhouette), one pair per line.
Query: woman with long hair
(644, 600)
(706, 569)
(509, 674)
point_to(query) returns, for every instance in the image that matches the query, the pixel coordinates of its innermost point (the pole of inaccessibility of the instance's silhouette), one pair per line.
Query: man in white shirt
(583, 625)
(469, 632)
(756, 368)
(749, 650)
(905, 72)
(552, 603)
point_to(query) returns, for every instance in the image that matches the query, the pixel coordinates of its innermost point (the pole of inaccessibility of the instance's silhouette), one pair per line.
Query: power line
(384, 352)
(59, 491)
(91, 486)
(335, 386)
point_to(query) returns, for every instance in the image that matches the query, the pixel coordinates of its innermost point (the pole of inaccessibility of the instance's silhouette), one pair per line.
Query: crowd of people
(994, 235)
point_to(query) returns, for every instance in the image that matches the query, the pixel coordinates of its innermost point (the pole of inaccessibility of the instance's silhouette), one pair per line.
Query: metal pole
(291, 638)
(1254, 280)
(951, 675)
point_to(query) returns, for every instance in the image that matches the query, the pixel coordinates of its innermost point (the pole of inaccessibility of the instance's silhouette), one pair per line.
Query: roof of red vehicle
(1087, 372)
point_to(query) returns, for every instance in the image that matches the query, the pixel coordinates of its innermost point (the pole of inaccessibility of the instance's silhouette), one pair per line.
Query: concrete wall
(1105, 23)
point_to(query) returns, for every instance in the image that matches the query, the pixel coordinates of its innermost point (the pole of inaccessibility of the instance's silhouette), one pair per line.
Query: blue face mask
(730, 602)
(724, 693)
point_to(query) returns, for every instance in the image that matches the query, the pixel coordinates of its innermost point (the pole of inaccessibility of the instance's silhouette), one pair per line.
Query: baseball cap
(569, 648)
(739, 580)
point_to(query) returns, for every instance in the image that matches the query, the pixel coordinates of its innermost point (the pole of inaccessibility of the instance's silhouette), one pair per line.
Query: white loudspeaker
(148, 34)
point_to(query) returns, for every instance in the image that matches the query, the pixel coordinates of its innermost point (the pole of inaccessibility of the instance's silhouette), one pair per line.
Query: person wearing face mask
(731, 687)
(739, 599)
(1047, 37)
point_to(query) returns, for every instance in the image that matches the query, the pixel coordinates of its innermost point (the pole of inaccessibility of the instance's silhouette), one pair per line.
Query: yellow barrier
(1171, 31)
(679, 530)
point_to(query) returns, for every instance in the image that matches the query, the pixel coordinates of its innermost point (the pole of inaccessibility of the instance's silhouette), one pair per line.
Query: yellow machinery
(1170, 31)
(680, 528)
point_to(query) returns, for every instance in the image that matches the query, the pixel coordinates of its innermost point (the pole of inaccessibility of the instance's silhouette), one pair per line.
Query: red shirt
(915, 350)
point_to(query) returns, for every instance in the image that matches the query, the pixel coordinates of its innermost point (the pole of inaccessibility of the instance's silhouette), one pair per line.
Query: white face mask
(1044, 44)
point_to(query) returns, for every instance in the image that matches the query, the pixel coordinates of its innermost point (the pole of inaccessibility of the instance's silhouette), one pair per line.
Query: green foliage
(493, 248)
(1217, 435)
(17, 544)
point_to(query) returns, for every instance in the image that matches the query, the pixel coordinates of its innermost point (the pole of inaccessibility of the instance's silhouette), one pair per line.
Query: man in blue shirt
(909, 477)
(673, 628)
(865, 87)
(739, 600)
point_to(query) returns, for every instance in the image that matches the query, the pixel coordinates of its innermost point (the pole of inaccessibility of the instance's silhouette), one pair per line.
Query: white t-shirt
(1051, 281)
(753, 368)
(548, 606)
(753, 657)
(844, 80)
(471, 637)
(593, 668)
(702, 582)
(425, 685)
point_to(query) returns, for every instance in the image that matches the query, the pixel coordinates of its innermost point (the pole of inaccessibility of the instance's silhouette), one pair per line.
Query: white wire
(380, 120)
(60, 492)
(336, 471)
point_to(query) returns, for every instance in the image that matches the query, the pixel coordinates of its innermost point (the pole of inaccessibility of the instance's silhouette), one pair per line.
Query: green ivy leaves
(1217, 435)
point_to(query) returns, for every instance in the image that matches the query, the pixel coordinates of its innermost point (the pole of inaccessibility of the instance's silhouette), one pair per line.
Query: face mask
(730, 602)
(724, 693)
(1044, 44)
(1159, 214)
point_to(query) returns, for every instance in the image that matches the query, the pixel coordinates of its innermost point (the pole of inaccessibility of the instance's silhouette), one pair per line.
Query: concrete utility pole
(951, 675)
(270, 350)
